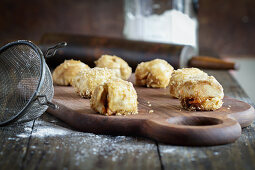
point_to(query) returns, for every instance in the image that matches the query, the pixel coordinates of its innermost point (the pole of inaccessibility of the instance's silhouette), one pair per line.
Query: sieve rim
(41, 78)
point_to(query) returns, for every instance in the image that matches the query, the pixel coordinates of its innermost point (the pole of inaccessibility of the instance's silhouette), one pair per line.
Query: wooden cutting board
(160, 118)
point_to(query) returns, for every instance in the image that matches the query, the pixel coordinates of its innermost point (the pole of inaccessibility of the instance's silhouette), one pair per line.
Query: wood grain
(238, 155)
(169, 123)
(65, 148)
(206, 62)
(61, 151)
(13, 147)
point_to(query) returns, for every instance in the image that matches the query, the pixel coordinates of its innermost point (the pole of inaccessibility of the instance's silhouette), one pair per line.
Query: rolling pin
(89, 48)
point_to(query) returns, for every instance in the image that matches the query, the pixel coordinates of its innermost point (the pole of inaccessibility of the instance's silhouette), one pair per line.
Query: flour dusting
(183, 154)
(44, 129)
(85, 146)
(115, 148)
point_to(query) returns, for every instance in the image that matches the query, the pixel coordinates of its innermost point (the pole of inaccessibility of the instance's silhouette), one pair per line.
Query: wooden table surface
(48, 143)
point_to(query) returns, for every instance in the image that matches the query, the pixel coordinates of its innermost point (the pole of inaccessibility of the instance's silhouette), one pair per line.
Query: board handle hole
(195, 121)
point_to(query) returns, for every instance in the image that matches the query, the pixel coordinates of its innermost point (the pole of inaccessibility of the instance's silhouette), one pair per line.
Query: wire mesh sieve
(26, 87)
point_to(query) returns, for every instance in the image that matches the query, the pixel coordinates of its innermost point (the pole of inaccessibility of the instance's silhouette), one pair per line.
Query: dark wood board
(69, 152)
(169, 123)
(235, 156)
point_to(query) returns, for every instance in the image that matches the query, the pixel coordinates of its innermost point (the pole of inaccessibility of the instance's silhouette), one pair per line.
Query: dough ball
(65, 72)
(87, 80)
(116, 97)
(118, 65)
(201, 93)
(180, 76)
(155, 73)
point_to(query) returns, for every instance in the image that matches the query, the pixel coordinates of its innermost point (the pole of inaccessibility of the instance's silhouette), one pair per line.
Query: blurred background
(217, 28)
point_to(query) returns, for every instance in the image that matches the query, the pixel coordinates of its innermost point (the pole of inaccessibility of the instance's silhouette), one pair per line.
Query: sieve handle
(52, 50)
(42, 100)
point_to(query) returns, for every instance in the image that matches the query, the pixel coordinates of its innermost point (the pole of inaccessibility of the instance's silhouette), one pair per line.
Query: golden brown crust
(87, 80)
(196, 90)
(65, 72)
(155, 73)
(180, 76)
(205, 88)
(118, 65)
(116, 97)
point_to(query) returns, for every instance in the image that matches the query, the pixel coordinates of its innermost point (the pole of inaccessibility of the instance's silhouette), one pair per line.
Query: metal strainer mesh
(35, 110)
(23, 77)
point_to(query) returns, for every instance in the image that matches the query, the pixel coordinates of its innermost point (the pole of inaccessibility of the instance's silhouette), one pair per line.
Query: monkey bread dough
(65, 72)
(120, 67)
(116, 97)
(196, 90)
(87, 80)
(155, 73)
(181, 75)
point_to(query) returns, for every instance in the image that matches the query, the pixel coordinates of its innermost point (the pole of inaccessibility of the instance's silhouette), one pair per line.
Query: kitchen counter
(48, 143)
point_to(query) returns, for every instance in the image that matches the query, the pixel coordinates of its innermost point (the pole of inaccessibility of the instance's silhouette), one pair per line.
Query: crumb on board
(148, 102)
(151, 111)
(229, 106)
(149, 105)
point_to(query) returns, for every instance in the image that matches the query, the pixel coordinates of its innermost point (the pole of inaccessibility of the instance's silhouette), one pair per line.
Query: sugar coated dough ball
(65, 72)
(118, 65)
(180, 76)
(116, 97)
(87, 80)
(155, 73)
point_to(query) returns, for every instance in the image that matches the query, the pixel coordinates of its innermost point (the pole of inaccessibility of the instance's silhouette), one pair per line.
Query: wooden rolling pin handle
(212, 63)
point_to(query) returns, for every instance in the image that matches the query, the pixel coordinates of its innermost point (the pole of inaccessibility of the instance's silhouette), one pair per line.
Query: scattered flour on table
(186, 154)
(115, 148)
(87, 145)
(216, 153)
(23, 135)
(44, 129)
(183, 154)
